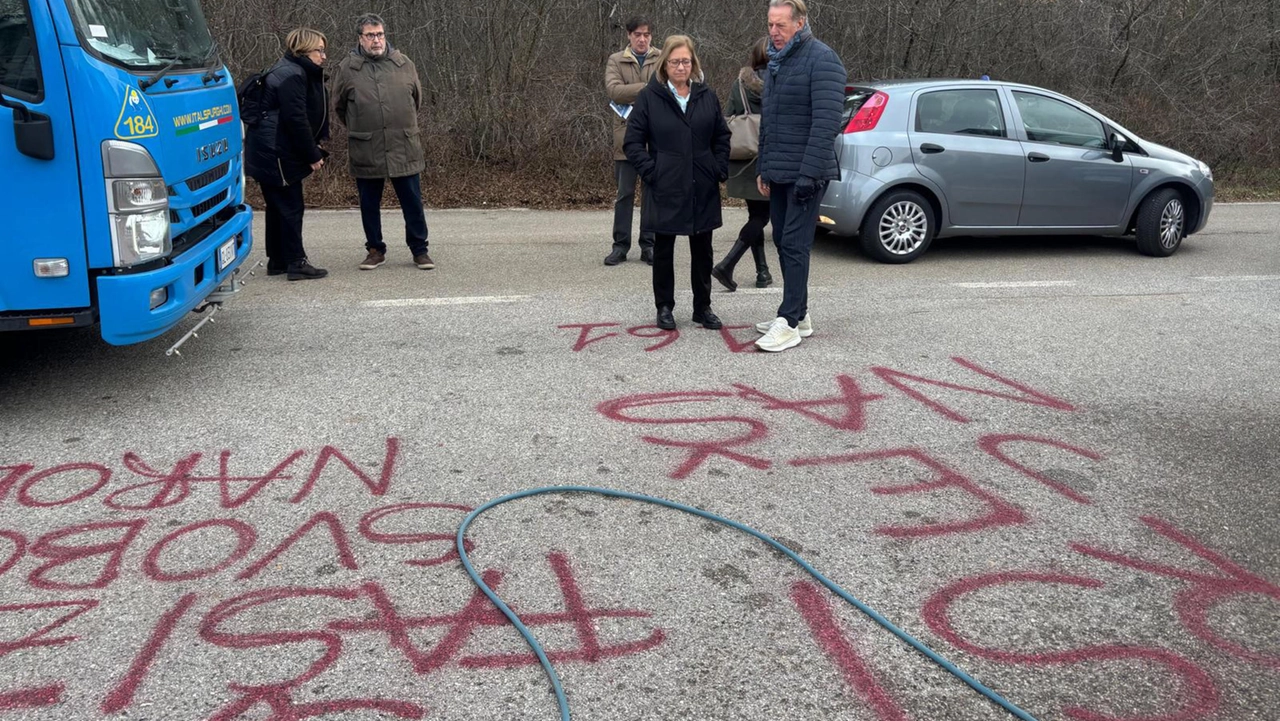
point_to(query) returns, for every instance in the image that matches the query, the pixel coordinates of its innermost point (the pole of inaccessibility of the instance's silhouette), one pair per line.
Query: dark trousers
(624, 208)
(752, 233)
(409, 191)
(284, 224)
(664, 273)
(794, 224)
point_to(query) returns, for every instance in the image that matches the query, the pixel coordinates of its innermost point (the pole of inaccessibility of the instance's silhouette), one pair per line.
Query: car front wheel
(899, 227)
(1162, 223)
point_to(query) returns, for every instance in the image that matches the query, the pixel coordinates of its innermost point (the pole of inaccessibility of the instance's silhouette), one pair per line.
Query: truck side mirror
(1117, 143)
(32, 132)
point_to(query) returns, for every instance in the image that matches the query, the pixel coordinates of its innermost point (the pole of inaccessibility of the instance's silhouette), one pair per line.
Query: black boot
(723, 271)
(304, 270)
(763, 279)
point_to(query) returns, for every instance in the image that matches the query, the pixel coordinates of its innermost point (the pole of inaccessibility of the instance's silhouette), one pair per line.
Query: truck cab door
(43, 259)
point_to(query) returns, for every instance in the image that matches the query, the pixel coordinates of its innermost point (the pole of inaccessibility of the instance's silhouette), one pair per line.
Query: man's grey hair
(798, 9)
(367, 20)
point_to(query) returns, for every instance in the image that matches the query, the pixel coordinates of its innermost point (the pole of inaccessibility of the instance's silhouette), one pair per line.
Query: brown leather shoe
(424, 261)
(373, 260)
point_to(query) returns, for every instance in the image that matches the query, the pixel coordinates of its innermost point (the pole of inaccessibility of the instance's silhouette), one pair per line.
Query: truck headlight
(139, 194)
(138, 201)
(140, 237)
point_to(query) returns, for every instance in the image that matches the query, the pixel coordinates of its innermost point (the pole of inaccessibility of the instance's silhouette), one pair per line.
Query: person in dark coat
(799, 121)
(377, 95)
(742, 177)
(283, 148)
(678, 142)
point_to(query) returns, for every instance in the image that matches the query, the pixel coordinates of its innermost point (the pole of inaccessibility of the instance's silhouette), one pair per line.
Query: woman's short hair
(672, 43)
(303, 40)
(760, 53)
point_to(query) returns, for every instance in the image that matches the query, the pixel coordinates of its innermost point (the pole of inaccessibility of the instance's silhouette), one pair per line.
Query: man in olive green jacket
(625, 75)
(377, 96)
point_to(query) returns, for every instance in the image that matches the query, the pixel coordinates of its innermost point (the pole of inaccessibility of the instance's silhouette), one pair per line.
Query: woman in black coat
(678, 141)
(282, 147)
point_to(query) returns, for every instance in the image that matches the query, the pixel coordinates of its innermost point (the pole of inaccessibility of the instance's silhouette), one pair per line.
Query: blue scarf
(776, 56)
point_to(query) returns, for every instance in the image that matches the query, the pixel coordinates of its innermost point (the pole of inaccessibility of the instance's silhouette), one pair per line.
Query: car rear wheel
(1162, 223)
(899, 227)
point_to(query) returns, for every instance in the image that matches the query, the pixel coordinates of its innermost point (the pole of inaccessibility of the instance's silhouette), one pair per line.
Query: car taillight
(869, 114)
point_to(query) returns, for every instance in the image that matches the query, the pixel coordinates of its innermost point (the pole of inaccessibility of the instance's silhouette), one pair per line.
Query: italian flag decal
(203, 126)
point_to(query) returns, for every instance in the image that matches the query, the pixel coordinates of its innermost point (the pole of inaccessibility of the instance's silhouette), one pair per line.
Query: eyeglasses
(680, 62)
(373, 36)
(321, 51)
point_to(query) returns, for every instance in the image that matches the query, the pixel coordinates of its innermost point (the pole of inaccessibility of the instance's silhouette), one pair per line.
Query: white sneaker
(780, 337)
(805, 327)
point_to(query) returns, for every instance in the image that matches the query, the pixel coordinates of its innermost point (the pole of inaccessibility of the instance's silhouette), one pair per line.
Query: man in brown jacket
(377, 96)
(626, 74)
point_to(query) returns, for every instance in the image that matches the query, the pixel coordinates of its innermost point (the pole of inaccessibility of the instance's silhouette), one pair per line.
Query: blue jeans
(409, 191)
(794, 225)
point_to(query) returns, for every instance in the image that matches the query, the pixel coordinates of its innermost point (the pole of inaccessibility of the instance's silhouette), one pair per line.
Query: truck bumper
(124, 301)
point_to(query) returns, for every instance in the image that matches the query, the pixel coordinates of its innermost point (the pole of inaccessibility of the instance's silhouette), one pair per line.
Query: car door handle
(1038, 158)
(930, 148)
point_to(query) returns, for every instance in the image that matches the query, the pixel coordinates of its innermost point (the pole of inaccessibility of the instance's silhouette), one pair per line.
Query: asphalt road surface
(1054, 461)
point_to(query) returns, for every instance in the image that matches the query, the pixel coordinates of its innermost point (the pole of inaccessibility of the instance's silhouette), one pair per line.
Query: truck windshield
(145, 34)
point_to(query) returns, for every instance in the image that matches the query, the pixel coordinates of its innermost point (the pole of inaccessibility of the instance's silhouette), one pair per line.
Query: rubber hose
(831, 585)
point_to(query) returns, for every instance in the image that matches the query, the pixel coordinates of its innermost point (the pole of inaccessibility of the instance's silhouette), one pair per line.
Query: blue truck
(121, 171)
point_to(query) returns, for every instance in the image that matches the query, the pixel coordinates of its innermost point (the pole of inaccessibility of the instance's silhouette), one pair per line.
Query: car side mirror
(32, 132)
(1116, 143)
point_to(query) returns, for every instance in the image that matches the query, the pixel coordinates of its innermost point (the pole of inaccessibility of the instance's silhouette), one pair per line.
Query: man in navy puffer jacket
(800, 119)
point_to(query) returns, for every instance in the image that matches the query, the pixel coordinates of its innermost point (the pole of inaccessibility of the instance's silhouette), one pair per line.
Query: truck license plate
(226, 254)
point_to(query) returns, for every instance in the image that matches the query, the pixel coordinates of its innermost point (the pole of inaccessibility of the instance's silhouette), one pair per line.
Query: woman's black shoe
(666, 321)
(708, 320)
(726, 279)
(723, 271)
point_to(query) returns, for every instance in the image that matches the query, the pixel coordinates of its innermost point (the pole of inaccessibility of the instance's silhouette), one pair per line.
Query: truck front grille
(202, 208)
(208, 177)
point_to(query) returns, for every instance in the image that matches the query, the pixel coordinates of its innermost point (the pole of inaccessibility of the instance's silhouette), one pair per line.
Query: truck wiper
(212, 53)
(148, 82)
(215, 55)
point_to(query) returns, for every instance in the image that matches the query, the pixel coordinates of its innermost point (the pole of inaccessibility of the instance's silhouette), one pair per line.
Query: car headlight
(140, 237)
(1205, 169)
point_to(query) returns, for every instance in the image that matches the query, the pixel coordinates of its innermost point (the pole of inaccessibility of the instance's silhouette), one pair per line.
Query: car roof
(927, 83)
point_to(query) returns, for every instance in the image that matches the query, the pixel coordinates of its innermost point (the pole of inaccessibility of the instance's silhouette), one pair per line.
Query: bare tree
(516, 112)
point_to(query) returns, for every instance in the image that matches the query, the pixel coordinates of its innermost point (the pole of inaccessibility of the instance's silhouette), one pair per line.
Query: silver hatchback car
(928, 158)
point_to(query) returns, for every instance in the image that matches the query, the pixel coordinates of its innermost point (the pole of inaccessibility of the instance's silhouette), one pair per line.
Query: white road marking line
(1235, 278)
(464, 300)
(1018, 284)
